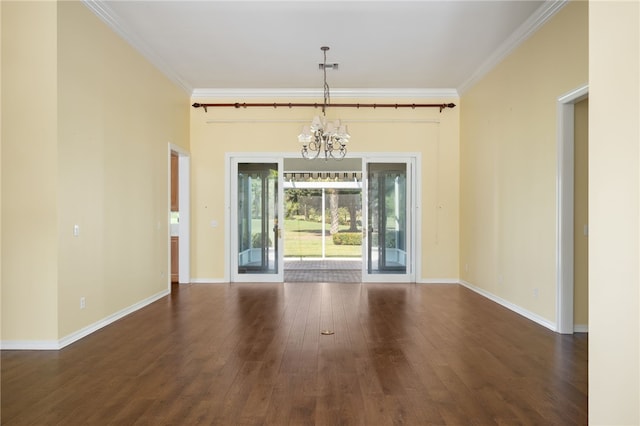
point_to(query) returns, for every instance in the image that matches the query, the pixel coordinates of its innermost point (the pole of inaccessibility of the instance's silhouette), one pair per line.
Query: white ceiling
(401, 46)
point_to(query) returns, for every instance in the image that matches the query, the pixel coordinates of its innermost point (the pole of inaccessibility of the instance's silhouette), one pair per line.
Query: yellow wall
(614, 213)
(29, 171)
(508, 164)
(262, 130)
(581, 215)
(117, 192)
(507, 153)
(89, 148)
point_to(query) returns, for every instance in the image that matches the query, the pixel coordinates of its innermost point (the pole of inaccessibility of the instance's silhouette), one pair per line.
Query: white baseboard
(513, 307)
(30, 345)
(208, 281)
(75, 336)
(438, 281)
(581, 328)
(421, 281)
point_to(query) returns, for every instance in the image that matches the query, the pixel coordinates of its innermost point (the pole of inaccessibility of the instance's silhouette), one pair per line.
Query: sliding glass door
(257, 254)
(388, 244)
(256, 219)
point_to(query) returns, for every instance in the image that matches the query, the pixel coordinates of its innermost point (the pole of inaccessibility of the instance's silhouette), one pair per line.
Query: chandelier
(322, 136)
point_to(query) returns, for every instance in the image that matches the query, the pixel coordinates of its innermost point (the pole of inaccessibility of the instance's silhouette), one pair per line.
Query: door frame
(412, 160)
(231, 161)
(184, 206)
(564, 208)
(415, 195)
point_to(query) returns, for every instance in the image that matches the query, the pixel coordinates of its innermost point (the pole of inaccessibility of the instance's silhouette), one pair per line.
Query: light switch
(76, 230)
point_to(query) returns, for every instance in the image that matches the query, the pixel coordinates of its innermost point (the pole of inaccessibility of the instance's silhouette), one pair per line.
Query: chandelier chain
(326, 98)
(322, 136)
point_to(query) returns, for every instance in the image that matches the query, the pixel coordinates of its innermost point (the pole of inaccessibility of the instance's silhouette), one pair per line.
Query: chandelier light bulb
(305, 137)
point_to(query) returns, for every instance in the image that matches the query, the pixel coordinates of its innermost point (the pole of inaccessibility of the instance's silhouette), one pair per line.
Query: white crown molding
(522, 33)
(101, 9)
(109, 17)
(318, 93)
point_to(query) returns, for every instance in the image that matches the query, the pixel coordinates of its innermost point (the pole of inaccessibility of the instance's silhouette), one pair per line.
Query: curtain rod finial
(197, 105)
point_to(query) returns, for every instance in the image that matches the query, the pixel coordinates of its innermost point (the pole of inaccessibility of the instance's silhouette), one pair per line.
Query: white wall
(614, 195)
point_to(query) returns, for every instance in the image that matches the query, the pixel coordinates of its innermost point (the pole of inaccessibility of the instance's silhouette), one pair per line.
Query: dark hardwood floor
(253, 354)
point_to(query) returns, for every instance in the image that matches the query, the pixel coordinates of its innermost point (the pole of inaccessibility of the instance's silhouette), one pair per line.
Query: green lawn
(304, 239)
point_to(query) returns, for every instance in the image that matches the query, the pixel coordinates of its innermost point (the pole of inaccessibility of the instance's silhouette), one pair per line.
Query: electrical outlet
(535, 292)
(83, 303)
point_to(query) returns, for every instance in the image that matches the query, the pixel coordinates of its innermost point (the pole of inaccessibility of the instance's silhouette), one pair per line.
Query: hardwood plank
(252, 354)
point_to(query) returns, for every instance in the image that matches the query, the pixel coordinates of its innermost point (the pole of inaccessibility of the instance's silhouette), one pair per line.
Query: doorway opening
(179, 214)
(323, 221)
(361, 211)
(567, 220)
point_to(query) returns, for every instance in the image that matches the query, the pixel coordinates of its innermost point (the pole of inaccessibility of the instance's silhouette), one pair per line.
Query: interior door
(256, 234)
(388, 246)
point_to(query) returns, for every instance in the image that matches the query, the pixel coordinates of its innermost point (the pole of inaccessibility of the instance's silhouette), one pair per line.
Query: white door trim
(415, 196)
(412, 161)
(184, 207)
(564, 208)
(231, 262)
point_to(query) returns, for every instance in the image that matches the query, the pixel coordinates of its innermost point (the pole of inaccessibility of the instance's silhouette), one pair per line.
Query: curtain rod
(317, 105)
(245, 121)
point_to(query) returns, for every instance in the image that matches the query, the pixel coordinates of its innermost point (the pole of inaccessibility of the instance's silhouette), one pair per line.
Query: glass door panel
(257, 240)
(388, 239)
